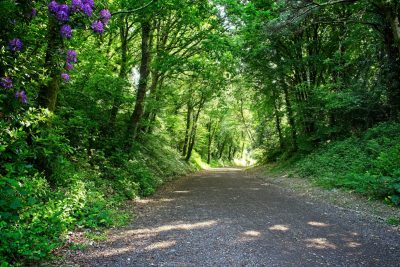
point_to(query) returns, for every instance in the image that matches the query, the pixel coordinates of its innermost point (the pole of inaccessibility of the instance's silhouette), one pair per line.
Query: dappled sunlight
(252, 233)
(353, 244)
(319, 243)
(148, 201)
(254, 188)
(172, 227)
(161, 245)
(118, 251)
(248, 236)
(318, 224)
(279, 227)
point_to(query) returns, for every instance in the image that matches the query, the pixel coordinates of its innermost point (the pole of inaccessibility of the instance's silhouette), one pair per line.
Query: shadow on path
(220, 217)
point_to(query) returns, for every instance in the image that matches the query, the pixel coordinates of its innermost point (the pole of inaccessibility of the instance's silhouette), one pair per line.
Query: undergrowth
(368, 164)
(51, 184)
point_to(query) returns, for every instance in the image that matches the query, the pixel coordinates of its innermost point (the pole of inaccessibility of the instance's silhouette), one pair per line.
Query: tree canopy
(107, 99)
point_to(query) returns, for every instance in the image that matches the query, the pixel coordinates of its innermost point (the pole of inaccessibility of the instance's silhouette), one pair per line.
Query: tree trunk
(194, 130)
(229, 152)
(277, 119)
(187, 130)
(149, 115)
(123, 30)
(210, 137)
(222, 148)
(290, 117)
(393, 71)
(48, 93)
(143, 80)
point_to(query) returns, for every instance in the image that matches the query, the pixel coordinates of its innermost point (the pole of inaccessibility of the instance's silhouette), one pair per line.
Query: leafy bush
(369, 164)
(49, 187)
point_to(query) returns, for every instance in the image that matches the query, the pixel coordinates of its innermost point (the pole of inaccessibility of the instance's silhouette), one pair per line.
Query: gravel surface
(225, 217)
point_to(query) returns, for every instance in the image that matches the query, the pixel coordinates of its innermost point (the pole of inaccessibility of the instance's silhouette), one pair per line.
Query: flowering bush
(15, 45)
(97, 27)
(66, 31)
(67, 17)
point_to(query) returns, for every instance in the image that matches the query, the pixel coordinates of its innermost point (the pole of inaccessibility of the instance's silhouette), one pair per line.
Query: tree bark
(290, 117)
(48, 93)
(143, 80)
(192, 137)
(393, 65)
(123, 32)
(209, 127)
(277, 118)
(188, 126)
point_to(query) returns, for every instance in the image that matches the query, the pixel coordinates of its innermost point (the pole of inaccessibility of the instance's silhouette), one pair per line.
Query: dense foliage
(326, 75)
(103, 101)
(367, 164)
(96, 108)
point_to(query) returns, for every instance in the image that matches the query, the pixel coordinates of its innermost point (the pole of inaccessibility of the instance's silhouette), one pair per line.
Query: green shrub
(54, 178)
(369, 164)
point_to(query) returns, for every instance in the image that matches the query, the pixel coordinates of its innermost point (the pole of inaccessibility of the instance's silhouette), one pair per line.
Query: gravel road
(223, 217)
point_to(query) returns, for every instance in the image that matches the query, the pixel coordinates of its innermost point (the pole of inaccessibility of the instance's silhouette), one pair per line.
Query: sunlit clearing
(161, 245)
(318, 224)
(252, 233)
(319, 243)
(225, 169)
(245, 162)
(172, 227)
(279, 227)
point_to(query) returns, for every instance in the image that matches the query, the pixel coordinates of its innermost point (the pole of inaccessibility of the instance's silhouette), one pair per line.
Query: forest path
(223, 217)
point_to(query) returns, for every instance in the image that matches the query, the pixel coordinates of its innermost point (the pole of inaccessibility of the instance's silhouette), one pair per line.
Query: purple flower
(33, 12)
(76, 5)
(88, 10)
(15, 45)
(65, 77)
(66, 31)
(69, 66)
(21, 96)
(53, 6)
(62, 16)
(71, 56)
(97, 27)
(105, 16)
(88, 2)
(63, 7)
(6, 82)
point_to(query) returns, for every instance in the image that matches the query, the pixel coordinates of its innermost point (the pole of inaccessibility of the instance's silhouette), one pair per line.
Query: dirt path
(224, 218)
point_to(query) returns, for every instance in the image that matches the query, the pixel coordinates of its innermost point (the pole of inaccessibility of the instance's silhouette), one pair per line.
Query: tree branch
(132, 10)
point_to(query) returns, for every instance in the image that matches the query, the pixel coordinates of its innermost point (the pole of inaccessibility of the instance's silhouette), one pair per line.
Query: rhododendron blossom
(105, 16)
(6, 82)
(66, 31)
(21, 96)
(65, 77)
(15, 45)
(97, 27)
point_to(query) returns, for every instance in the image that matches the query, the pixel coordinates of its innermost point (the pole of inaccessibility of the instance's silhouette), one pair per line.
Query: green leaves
(369, 165)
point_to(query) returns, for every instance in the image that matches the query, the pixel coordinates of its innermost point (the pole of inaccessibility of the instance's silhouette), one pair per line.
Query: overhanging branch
(132, 10)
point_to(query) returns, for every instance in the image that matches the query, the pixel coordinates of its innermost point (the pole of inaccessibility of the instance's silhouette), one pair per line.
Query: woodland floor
(228, 217)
